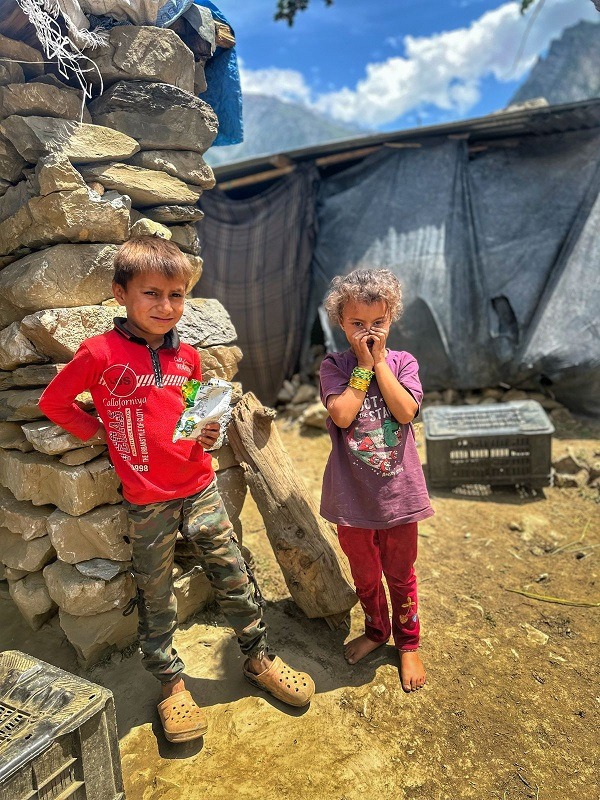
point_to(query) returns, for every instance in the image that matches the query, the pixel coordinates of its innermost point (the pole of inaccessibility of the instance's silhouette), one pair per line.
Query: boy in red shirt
(135, 373)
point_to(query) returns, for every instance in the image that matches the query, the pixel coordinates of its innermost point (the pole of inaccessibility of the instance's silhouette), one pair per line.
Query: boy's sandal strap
(181, 718)
(284, 683)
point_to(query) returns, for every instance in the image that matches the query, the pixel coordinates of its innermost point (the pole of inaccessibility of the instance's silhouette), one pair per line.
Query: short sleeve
(408, 376)
(333, 379)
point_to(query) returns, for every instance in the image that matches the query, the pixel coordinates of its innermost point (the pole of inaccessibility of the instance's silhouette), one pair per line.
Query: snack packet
(205, 401)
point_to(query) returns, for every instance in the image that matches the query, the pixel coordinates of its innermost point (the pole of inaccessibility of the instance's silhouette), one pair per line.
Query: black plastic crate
(499, 444)
(58, 735)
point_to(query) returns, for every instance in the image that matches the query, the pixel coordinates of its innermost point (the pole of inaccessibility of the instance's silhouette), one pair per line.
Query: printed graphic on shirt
(119, 379)
(375, 438)
(124, 417)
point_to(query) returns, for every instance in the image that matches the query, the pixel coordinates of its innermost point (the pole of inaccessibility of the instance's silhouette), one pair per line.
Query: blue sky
(388, 64)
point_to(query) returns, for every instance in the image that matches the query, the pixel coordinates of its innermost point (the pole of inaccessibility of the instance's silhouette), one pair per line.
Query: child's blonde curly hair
(367, 286)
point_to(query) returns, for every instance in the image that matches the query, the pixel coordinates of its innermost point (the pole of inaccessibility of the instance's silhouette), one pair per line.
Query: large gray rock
(188, 166)
(84, 597)
(15, 574)
(76, 457)
(98, 534)
(42, 480)
(102, 568)
(173, 215)
(15, 196)
(20, 405)
(16, 349)
(10, 72)
(30, 556)
(147, 227)
(205, 323)
(220, 361)
(22, 517)
(196, 264)
(158, 116)
(186, 238)
(40, 100)
(11, 163)
(36, 375)
(144, 54)
(55, 173)
(13, 438)
(31, 597)
(146, 187)
(81, 215)
(30, 59)
(53, 440)
(96, 637)
(57, 333)
(66, 275)
(81, 143)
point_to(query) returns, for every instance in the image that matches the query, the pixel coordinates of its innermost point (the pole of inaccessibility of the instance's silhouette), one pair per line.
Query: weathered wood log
(306, 548)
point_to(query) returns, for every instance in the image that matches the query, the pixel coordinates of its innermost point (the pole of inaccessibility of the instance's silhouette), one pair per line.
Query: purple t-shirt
(373, 478)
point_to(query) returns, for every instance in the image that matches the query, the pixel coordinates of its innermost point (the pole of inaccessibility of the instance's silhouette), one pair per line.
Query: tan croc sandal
(284, 683)
(181, 718)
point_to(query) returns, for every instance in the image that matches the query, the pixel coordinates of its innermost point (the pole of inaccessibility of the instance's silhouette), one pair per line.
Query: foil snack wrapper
(205, 401)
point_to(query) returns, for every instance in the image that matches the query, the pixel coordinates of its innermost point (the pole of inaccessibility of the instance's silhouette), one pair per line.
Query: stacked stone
(70, 193)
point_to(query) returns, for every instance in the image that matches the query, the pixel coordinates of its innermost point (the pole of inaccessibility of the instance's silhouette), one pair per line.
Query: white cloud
(443, 70)
(286, 84)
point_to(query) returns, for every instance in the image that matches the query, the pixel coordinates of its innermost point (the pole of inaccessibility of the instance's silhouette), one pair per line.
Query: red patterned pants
(390, 552)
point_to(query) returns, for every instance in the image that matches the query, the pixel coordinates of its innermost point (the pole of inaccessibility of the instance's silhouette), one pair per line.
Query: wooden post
(306, 548)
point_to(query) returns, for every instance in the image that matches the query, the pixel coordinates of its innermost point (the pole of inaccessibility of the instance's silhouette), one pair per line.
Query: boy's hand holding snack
(207, 411)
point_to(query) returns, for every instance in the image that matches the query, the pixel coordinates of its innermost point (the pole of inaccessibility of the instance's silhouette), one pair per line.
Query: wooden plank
(347, 155)
(259, 177)
(224, 36)
(315, 569)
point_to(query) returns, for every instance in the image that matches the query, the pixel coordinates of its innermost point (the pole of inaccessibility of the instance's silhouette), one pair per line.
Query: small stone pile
(70, 193)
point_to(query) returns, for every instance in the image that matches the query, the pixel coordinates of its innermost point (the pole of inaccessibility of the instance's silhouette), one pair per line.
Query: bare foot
(173, 687)
(359, 648)
(412, 671)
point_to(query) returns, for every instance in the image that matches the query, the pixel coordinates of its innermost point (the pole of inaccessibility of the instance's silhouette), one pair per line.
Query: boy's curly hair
(367, 286)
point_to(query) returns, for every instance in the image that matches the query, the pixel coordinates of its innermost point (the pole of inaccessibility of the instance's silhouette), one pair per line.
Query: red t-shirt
(137, 393)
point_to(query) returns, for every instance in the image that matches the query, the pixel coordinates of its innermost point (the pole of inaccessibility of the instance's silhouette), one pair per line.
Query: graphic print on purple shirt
(375, 437)
(373, 478)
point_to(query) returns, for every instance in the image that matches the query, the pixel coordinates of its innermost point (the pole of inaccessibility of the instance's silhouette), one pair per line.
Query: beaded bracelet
(360, 378)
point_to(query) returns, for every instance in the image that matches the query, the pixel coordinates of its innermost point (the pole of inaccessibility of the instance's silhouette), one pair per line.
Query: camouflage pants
(202, 519)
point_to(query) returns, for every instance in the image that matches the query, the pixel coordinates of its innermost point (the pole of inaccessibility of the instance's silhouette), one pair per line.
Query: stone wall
(70, 193)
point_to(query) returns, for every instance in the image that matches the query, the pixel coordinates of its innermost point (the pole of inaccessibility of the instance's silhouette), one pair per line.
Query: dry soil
(510, 710)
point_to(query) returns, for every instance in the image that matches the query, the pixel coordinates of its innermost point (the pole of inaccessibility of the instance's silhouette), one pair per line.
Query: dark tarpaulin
(257, 255)
(498, 257)
(406, 209)
(526, 198)
(563, 342)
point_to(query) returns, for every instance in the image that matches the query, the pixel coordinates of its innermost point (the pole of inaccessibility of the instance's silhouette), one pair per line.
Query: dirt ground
(510, 710)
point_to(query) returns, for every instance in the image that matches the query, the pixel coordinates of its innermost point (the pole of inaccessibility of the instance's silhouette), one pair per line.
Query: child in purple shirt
(373, 486)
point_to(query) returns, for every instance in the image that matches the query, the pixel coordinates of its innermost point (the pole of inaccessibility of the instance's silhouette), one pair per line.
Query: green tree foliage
(525, 5)
(287, 9)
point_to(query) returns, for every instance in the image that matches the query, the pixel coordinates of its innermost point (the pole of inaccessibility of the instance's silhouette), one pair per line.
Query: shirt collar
(171, 339)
